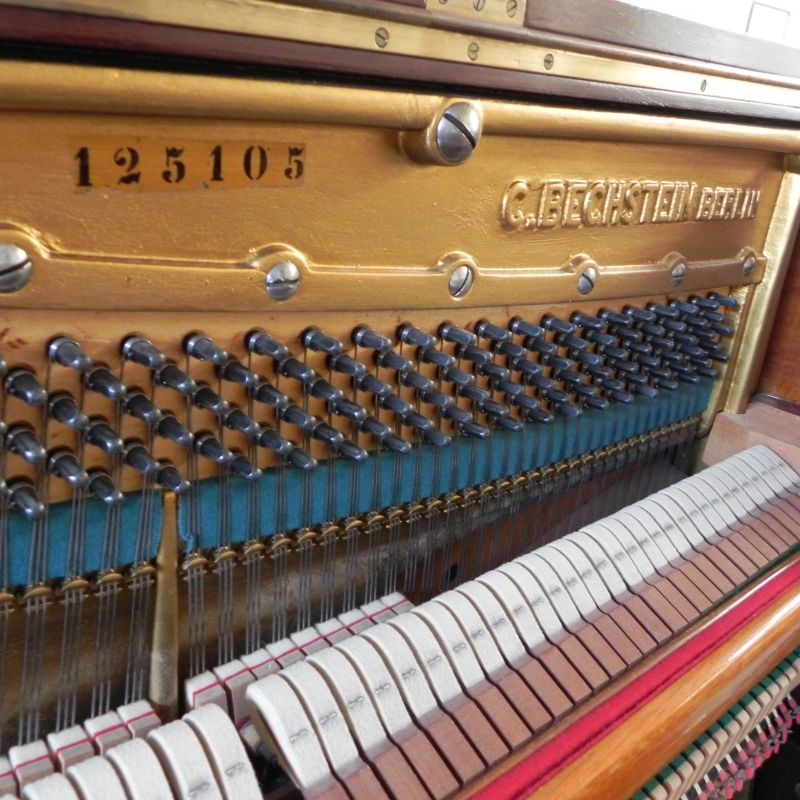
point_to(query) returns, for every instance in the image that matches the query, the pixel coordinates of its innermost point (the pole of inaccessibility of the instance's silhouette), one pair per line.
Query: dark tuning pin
(410, 335)
(266, 393)
(64, 465)
(640, 314)
(724, 300)
(101, 435)
(388, 359)
(352, 452)
(262, 344)
(138, 405)
(62, 408)
(430, 355)
(324, 390)
(102, 487)
(383, 433)
(417, 381)
(315, 339)
(138, 457)
(168, 427)
(170, 479)
(68, 353)
(243, 468)
(143, 351)
(292, 368)
(347, 366)
(210, 447)
(23, 497)
(557, 325)
(295, 415)
(206, 398)
(452, 333)
(587, 322)
(237, 420)
(349, 410)
(494, 333)
(235, 372)
(435, 437)
(369, 339)
(21, 440)
(392, 402)
(204, 349)
(176, 379)
(521, 327)
(100, 380)
(269, 439)
(369, 383)
(22, 383)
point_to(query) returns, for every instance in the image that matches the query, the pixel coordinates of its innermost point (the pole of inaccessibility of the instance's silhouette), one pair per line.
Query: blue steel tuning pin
(170, 479)
(22, 383)
(452, 333)
(176, 379)
(101, 435)
(143, 351)
(204, 349)
(346, 365)
(235, 372)
(22, 496)
(410, 335)
(138, 405)
(64, 465)
(292, 368)
(68, 353)
(206, 398)
(139, 457)
(21, 440)
(211, 448)
(100, 380)
(243, 468)
(262, 344)
(62, 408)
(102, 487)
(170, 428)
(315, 339)
(237, 420)
(369, 339)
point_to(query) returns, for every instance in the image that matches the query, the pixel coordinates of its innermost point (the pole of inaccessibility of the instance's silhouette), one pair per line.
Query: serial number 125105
(161, 164)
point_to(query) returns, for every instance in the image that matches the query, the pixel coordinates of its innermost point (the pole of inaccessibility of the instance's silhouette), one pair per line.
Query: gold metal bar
(361, 33)
(765, 297)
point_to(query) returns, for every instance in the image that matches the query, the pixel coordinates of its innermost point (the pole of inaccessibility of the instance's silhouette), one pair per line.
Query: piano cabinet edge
(623, 760)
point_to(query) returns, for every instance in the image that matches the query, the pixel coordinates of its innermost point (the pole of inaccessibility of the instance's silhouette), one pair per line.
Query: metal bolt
(282, 281)
(458, 132)
(472, 51)
(748, 265)
(16, 268)
(678, 274)
(511, 8)
(478, 5)
(461, 280)
(587, 280)
(549, 60)
(381, 37)
(703, 85)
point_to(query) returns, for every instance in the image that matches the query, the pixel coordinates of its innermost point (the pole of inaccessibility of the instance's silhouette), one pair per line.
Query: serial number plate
(148, 165)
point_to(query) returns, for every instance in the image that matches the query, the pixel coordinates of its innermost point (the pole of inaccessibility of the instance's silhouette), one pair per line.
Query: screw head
(587, 280)
(282, 281)
(458, 132)
(381, 37)
(549, 60)
(16, 268)
(473, 50)
(678, 274)
(479, 5)
(511, 8)
(461, 280)
(748, 265)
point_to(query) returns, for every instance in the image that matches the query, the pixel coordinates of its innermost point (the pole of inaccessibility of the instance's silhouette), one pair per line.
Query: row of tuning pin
(591, 360)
